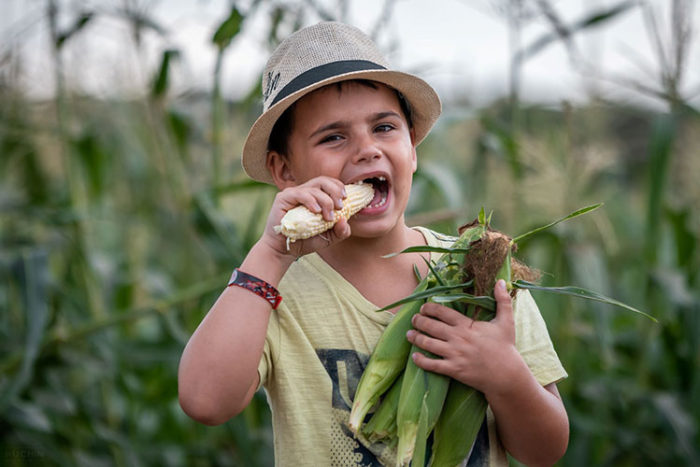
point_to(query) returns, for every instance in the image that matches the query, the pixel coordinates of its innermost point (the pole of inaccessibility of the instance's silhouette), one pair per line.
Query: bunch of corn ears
(412, 403)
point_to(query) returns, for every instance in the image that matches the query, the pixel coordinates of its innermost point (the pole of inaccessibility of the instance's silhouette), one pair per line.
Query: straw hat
(319, 55)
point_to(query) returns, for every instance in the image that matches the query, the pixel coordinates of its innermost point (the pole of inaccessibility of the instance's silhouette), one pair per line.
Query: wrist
(266, 263)
(512, 375)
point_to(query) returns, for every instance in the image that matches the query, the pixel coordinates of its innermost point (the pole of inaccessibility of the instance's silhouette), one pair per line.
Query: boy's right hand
(319, 195)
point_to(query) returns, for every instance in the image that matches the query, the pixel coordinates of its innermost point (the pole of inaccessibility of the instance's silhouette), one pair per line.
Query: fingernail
(410, 333)
(339, 203)
(502, 284)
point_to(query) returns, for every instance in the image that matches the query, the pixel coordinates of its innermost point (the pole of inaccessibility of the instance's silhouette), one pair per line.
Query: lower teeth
(381, 203)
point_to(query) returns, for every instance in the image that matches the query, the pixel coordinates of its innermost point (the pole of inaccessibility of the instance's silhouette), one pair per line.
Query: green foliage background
(120, 219)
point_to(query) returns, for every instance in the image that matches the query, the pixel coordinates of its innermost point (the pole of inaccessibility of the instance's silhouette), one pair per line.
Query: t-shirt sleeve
(270, 347)
(533, 342)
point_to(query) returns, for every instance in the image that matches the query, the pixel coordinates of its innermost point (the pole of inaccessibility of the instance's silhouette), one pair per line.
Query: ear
(279, 168)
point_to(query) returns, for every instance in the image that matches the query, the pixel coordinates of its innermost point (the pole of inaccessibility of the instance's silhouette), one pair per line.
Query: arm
(531, 419)
(218, 376)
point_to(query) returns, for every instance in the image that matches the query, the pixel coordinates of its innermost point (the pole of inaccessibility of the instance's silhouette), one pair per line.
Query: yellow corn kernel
(300, 223)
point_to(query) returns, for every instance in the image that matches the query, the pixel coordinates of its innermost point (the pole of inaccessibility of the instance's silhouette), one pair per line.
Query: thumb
(504, 305)
(341, 229)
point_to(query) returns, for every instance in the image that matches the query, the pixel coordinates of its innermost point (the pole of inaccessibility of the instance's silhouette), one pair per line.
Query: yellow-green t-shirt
(317, 345)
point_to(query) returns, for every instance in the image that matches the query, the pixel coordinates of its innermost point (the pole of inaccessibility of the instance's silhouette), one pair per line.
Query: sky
(461, 47)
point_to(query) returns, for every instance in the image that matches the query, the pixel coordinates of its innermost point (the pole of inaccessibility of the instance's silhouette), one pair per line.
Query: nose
(367, 149)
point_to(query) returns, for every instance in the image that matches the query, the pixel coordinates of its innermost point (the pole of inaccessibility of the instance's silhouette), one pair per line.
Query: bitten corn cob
(299, 223)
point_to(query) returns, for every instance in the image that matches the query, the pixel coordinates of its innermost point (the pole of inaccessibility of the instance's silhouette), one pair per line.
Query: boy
(335, 114)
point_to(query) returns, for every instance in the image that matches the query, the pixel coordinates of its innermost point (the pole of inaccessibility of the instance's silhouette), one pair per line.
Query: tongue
(377, 197)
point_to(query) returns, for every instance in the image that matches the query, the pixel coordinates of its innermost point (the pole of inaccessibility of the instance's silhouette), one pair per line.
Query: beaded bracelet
(257, 286)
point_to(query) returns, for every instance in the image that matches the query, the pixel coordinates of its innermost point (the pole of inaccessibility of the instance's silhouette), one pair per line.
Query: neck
(358, 250)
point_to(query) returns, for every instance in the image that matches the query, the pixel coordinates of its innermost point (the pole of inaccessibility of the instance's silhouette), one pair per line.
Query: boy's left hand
(480, 354)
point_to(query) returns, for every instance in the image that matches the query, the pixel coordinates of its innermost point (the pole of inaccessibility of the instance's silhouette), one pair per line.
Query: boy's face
(354, 133)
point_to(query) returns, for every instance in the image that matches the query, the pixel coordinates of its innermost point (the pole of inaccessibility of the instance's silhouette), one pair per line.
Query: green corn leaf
(437, 290)
(422, 433)
(161, 80)
(580, 293)
(434, 272)
(551, 224)
(458, 426)
(228, 29)
(417, 273)
(382, 424)
(428, 249)
(487, 303)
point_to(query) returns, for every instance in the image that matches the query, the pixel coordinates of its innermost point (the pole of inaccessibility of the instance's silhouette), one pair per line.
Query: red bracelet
(257, 286)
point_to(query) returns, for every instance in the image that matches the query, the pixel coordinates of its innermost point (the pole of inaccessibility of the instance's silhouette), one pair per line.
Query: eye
(331, 138)
(384, 127)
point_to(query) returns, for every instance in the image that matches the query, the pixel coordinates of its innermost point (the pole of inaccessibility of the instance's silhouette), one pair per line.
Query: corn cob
(463, 410)
(299, 223)
(422, 396)
(391, 352)
(459, 423)
(386, 363)
(382, 425)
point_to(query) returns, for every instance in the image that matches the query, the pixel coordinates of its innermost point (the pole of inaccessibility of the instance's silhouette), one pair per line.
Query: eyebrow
(344, 123)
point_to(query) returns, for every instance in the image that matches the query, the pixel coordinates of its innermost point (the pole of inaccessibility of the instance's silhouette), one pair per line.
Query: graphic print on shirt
(345, 368)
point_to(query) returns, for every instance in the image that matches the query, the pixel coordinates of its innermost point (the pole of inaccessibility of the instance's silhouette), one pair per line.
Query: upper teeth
(381, 178)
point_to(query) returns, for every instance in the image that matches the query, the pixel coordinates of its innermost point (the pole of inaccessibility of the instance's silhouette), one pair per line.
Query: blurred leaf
(94, 161)
(594, 19)
(182, 131)
(140, 21)
(502, 141)
(444, 180)
(28, 415)
(276, 19)
(256, 222)
(660, 153)
(228, 29)
(160, 83)
(684, 428)
(82, 21)
(686, 240)
(32, 275)
(674, 285)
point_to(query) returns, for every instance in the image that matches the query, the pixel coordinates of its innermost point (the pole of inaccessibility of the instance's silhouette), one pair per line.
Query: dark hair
(279, 136)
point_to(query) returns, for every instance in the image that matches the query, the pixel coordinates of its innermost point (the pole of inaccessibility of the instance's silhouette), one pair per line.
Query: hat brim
(424, 101)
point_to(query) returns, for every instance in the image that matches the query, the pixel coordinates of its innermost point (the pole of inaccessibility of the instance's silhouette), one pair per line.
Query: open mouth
(381, 191)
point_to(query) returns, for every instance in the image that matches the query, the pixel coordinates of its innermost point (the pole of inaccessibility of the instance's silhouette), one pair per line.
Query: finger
(436, 365)
(334, 188)
(504, 305)
(443, 313)
(328, 205)
(428, 343)
(431, 325)
(315, 200)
